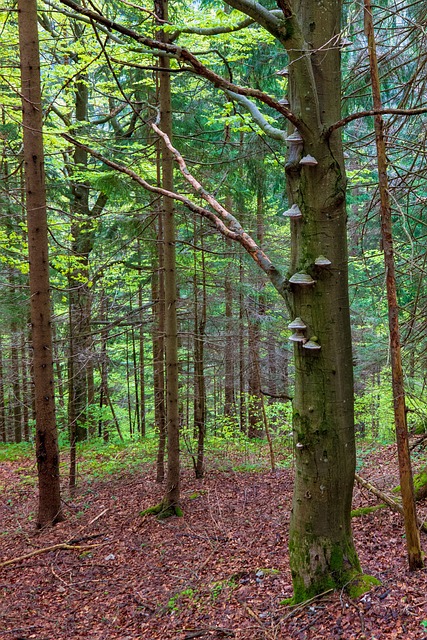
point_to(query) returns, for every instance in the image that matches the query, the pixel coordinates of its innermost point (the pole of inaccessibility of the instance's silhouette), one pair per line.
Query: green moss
(363, 511)
(196, 494)
(163, 511)
(361, 584)
(269, 572)
(319, 565)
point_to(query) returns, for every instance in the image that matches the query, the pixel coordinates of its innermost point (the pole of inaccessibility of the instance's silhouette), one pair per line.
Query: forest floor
(221, 571)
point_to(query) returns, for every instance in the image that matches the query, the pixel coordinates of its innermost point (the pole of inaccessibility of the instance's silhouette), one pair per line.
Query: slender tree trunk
(79, 296)
(199, 373)
(229, 393)
(242, 396)
(16, 387)
(47, 452)
(255, 313)
(413, 546)
(103, 429)
(157, 294)
(142, 409)
(3, 437)
(71, 408)
(25, 389)
(171, 498)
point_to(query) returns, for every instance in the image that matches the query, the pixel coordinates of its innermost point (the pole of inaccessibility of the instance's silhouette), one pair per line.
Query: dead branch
(55, 547)
(395, 506)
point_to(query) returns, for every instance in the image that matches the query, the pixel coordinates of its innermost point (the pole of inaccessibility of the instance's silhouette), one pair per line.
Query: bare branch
(234, 231)
(374, 112)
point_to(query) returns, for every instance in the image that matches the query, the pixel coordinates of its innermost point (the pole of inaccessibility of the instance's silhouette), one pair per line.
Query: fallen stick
(54, 547)
(395, 506)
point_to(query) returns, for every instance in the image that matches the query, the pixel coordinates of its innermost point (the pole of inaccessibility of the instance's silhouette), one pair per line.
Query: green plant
(174, 603)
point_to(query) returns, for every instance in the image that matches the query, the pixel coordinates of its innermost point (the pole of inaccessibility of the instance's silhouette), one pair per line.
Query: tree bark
(229, 393)
(413, 545)
(322, 552)
(47, 452)
(199, 371)
(171, 499)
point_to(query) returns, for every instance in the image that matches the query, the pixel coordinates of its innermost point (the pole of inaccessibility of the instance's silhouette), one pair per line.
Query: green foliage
(14, 452)
(178, 600)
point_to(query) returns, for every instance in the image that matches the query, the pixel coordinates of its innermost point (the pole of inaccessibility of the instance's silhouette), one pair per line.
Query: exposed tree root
(163, 511)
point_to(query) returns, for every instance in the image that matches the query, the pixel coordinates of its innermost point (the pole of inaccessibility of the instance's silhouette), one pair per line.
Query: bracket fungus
(312, 344)
(308, 161)
(297, 324)
(293, 212)
(298, 336)
(302, 279)
(294, 138)
(283, 72)
(322, 261)
(284, 102)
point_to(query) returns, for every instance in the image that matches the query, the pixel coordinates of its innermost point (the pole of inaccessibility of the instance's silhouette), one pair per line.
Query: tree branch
(257, 117)
(183, 55)
(234, 231)
(271, 22)
(289, 33)
(214, 31)
(374, 112)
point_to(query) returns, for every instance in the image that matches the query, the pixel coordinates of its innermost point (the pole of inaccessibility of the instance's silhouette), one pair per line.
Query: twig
(74, 539)
(55, 547)
(196, 633)
(301, 605)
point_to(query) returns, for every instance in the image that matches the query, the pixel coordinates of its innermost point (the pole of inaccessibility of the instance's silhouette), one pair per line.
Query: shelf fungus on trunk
(298, 336)
(295, 138)
(302, 279)
(322, 261)
(308, 161)
(283, 72)
(297, 324)
(293, 212)
(312, 344)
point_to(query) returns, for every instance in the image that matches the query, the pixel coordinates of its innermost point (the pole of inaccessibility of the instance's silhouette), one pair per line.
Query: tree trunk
(157, 295)
(229, 394)
(47, 452)
(199, 372)
(242, 396)
(16, 387)
(171, 498)
(3, 437)
(322, 552)
(413, 545)
(79, 294)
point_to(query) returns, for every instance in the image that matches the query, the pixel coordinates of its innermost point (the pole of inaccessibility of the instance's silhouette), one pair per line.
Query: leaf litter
(221, 571)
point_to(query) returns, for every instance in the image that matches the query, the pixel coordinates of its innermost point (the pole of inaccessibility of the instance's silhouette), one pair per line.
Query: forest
(213, 319)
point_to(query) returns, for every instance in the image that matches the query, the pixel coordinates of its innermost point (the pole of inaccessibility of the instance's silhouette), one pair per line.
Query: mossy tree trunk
(322, 552)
